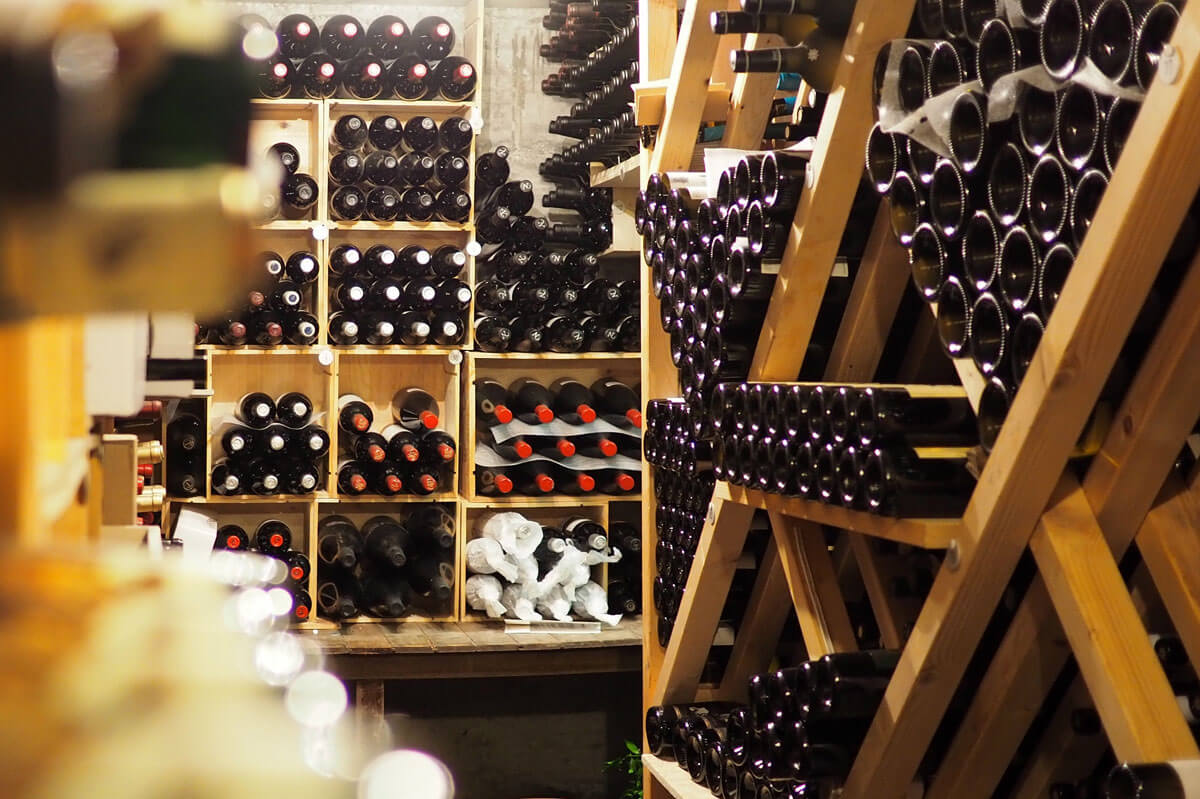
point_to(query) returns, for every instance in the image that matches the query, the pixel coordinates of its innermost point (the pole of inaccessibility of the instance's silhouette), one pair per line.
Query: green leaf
(633, 748)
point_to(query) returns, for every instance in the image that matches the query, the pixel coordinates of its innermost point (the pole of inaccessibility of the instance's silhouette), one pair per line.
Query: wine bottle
(453, 205)
(384, 541)
(815, 59)
(348, 203)
(381, 168)
(381, 261)
(298, 195)
(363, 77)
(413, 329)
(491, 400)
(352, 478)
(293, 409)
(343, 36)
(301, 477)
(383, 204)
(369, 447)
(530, 401)
(343, 329)
(275, 78)
(433, 38)
(233, 538)
(421, 134)
(418, 204)
(301, 605)
(492, 334)
(455, 134)
(288, 156)
(311, 443)
(385, 132)
(448, 261)
(573, 401)
(386, 597)
(255, 410)
(354, 415)
(338, 594)
(402, 444)
(618, 402)
(492, 482)
(491, 171)
(349, 132)
(415, 409)
(319, 77)
(388, 36)
(409, 77)
(447, 329)
(432, 578)
(455, 79)
(297, 36)
(272, 537)
(228, 478)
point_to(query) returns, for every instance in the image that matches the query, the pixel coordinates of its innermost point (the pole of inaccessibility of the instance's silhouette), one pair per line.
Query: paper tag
(198, 534)
(488, 458)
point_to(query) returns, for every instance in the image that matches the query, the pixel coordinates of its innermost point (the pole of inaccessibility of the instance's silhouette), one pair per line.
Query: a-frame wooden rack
(1076, 529)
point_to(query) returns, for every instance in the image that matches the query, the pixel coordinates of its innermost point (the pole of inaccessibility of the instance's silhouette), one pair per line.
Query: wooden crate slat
(717, 554)
(1131, 692)
(1149, 192)
(813, 585)
(889, 615)
(835, 171)
(1120, 485)
(762, 623)
(688, 89)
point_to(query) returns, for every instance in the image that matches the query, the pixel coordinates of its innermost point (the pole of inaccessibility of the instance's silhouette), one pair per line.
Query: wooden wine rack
(1077, 530)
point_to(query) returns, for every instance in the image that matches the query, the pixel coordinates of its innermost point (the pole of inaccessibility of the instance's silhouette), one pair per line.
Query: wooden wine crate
(377, 377)
(506, 367)
(592, 508)
(236, 372)
(358, 510)
(301, 124)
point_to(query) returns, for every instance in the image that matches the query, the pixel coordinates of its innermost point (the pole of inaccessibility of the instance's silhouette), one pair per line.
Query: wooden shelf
(593, 501)
(250, 499)
(553, 357)
(398, 499)
(395, 349)
(925, 533)
(625, 175)
(289, 224)
(671, 776)
(287, 104)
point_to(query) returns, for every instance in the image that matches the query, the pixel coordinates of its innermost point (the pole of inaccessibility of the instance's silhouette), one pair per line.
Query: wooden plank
(118, 460)
(674, 779)
(1062, 755)
(657, 38)
(1160, 408)
(466, 664)
(762, 624)
(650, 102)
(924, 533)
(750, 102)
(835, 172)
(1150, 191)
(686, 93)
(1110, 643)
(888, 615)
(1170, 548)
(717, 554)
(813, 585)
(871, 308)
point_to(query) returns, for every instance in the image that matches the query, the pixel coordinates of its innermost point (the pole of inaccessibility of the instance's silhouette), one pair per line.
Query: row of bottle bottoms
(273, 538)
(387, 566)
(407, 142)
(409, 455)
(519, 569)
(803, 725)
(681, 502)
(384, 60)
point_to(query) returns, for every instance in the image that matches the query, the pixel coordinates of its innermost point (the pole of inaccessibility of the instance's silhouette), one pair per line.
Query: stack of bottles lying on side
(521, 569)
(797, 737)
(278, 307)
(995, 208)
(562, 439)
(683, 486)
(408, 296)
(387, 567)
(409, 455)
(892, 450)
(714, 262)
(388, 169)
(273, 447)
(543, 286)
(274, 539)
(596, 42)
(156, 476)
(298, 191)
(342, 57)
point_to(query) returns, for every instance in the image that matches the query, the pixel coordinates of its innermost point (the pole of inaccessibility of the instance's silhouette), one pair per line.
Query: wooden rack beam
(750, 101)
(762, 624)
(717, 553)
(688, 89)
(650, 102)
(1134, 700)
(834, 174)
(813, 585)
(1149, 193)
(1170, 549)
(1160, 408)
